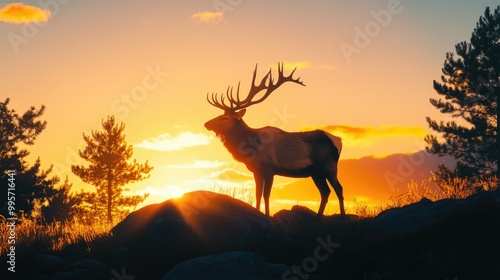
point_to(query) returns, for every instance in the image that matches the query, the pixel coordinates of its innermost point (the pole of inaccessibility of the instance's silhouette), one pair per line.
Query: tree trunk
(110, 197)
(110, 193)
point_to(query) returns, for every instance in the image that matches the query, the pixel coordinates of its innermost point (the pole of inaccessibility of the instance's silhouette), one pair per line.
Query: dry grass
(432, 188)
(33, 235)
(241, 193)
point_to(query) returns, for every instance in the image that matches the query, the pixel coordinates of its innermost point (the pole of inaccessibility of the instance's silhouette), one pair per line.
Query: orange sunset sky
(368, 67)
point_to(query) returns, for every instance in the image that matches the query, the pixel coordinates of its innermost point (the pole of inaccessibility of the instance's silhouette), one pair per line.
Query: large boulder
(241, 265)
(442, 239)
(198, 223)
(401, 224)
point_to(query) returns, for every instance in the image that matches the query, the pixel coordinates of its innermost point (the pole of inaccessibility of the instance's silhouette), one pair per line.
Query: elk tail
(337, 141)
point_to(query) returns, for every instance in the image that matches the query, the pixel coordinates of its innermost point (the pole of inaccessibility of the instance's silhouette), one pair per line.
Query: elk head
(234, 110)
(224, 123)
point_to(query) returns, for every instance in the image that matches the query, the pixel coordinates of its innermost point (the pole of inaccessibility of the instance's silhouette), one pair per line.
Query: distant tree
(470, 85)
(34, 186)
(62, 205)
(109, 169)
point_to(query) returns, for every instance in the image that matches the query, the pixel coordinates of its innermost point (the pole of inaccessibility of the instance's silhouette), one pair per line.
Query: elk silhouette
(270, 151)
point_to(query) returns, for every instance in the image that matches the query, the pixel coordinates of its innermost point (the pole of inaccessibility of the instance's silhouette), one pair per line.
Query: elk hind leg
(324, 190)
(337, 187)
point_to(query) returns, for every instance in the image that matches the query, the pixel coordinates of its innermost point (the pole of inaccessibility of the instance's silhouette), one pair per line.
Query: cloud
(365, 135)
(208, 17)
(290, 65)
(166, 142)
(19, 13)
(227, 177)
(231, 174)
(199, 164)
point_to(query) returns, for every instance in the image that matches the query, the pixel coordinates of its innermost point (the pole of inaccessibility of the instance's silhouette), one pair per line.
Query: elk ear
(240, 114)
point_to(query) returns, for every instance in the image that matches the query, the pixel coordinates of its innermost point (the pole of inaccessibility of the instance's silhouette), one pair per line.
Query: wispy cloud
(231, 174)
(227, 177)
(199, 164)
(364, 135)
(208, 17)
(19, 13)
(290, 65)
(166, 142)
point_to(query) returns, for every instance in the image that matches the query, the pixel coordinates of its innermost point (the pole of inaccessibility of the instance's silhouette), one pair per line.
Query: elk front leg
(263, 183)
(259, 185)
(268, 184)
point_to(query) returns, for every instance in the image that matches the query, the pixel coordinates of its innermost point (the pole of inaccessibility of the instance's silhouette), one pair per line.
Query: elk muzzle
(208, 126)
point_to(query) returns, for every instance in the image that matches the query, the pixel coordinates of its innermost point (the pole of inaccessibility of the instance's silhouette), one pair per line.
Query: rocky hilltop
(205, 235)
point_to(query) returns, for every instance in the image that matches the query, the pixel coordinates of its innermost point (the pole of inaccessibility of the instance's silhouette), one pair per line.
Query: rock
(298, 221)
(218, 221)
(301, 221)
(198, 223)
(82, 270)
(44, 264)
(439, 239)
(231, 265)
(400, 223)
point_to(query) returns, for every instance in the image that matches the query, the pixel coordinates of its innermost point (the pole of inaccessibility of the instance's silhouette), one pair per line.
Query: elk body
(270, 151)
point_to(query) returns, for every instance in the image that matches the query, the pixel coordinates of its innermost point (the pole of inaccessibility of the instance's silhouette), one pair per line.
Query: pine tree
(61, 206)
(109, 169)
(470, 85)
(33, 186)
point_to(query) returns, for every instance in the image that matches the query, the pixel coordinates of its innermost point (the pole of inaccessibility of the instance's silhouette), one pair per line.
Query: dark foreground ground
(204, 235)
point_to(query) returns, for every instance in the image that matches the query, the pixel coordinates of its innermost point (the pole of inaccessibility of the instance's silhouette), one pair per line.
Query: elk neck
(238, 134)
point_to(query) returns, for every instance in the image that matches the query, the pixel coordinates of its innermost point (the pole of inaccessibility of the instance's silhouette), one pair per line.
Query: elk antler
(267, 83)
